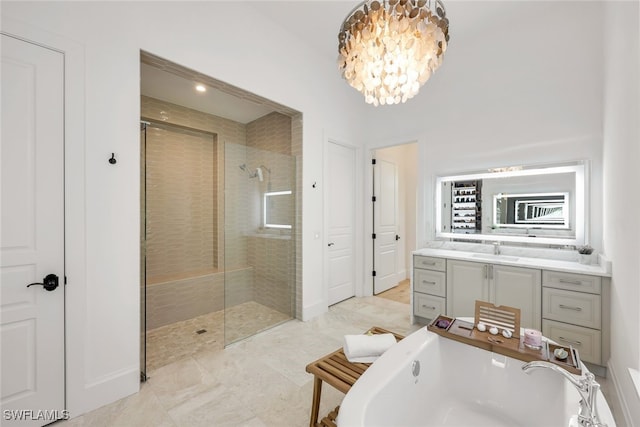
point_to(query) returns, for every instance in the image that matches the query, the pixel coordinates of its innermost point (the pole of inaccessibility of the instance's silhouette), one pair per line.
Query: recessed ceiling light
(201, 88)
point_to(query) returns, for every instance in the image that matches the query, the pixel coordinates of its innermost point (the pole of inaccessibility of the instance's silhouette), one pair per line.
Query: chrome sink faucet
(496, 248)
(587, 387)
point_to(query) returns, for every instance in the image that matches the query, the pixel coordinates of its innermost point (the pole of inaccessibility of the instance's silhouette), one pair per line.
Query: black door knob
(397, 237)
(50, 282)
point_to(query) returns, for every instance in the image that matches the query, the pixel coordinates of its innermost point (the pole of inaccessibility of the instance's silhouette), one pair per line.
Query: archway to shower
(219, 238)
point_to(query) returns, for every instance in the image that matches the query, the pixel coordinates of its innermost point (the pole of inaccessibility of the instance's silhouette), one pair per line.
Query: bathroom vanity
(566, 300)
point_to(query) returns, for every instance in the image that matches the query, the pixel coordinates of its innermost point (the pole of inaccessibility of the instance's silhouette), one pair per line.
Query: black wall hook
(113, 160)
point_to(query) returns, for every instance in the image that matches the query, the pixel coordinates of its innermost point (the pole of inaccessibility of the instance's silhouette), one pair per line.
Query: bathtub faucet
(587, 387)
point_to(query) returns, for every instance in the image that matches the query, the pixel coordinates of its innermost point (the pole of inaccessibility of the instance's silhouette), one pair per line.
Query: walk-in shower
(213, 271)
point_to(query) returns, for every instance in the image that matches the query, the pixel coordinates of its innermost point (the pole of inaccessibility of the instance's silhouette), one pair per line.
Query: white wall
(411, 181)
(621, 172)
(210, 37)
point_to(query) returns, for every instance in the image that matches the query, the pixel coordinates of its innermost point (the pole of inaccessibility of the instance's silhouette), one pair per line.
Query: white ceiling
(315, 22)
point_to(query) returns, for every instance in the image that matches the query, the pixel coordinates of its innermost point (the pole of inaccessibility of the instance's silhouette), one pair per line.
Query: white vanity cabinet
(565, 301)
(499, 284)
(429, 287)
(572, 312)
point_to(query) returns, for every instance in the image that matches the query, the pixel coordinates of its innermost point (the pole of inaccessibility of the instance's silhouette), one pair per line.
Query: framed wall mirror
(529, 204)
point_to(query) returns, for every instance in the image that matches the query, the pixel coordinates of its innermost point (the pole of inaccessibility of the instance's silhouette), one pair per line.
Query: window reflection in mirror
(276, 209)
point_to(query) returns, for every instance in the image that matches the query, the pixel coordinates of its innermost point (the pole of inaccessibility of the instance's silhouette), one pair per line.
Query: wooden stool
(336, 370)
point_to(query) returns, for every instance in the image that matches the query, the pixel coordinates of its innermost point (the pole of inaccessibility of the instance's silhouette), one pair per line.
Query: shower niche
(219, 183)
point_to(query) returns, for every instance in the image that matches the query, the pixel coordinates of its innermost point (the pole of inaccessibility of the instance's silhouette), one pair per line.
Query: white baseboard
(314, 310)
(619, 396)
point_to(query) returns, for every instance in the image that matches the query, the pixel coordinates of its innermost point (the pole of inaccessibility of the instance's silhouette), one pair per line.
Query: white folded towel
(366, 348)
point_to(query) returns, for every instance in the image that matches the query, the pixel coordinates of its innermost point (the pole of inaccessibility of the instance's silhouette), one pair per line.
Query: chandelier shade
(389, 49)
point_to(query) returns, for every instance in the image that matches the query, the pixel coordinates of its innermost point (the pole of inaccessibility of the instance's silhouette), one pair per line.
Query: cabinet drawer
(429, 282)
(429, 263)
(572, 281)
(571, 307)
(428, 306)
(586, 341)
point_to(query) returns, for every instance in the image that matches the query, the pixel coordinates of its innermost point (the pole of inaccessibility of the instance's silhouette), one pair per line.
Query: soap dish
(560, 353)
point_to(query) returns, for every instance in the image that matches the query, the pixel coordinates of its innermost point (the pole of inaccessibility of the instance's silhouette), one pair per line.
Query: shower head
(243, 167)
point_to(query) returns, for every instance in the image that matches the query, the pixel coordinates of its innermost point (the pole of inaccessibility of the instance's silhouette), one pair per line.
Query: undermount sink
(495, 257)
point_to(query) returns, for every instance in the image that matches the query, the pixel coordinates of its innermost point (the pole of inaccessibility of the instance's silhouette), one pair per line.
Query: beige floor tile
(178, 382)
(141, 409)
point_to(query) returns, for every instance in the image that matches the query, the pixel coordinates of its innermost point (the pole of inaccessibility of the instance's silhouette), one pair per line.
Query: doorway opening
(394, 172)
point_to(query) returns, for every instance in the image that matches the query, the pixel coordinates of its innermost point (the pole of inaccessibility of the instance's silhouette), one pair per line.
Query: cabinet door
(519, 288)
(466, 283)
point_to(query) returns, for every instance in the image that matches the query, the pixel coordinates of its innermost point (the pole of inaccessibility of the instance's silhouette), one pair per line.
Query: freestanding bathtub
(458, 385)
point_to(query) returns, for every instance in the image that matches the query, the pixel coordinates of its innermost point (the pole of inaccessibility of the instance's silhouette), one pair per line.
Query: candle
(533, 339)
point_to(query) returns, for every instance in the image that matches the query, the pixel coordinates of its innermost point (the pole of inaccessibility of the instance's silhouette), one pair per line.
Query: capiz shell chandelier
(389, 49)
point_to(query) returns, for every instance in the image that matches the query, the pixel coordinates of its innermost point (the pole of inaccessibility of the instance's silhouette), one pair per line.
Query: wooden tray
(458, 330)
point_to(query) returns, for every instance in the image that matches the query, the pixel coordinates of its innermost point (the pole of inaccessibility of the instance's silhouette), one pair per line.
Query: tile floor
(260, 381)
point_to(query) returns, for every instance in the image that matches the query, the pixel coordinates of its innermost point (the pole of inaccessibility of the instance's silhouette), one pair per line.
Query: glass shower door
(259, 240)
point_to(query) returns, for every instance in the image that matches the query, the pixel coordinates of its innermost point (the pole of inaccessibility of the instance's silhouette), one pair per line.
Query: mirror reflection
(519, 204)
(543, 210)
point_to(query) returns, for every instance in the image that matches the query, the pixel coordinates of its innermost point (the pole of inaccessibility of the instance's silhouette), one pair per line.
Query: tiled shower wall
(271, 252)
(181, 220)
(263, 270)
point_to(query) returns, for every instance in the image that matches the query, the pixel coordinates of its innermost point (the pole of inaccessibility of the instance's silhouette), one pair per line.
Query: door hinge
(65, 280)
(373, 198)
(373, 161)
(373, 273)
(373, 236)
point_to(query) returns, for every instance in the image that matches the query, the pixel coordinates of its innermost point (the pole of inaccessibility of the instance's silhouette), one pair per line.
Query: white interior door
(32, 239)
(385, 245)
(341, 223)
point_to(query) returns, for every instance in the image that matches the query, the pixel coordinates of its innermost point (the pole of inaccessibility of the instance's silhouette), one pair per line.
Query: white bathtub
(458, 385)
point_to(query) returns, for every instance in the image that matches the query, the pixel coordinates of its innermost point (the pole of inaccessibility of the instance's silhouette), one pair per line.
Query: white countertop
(520, 261)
